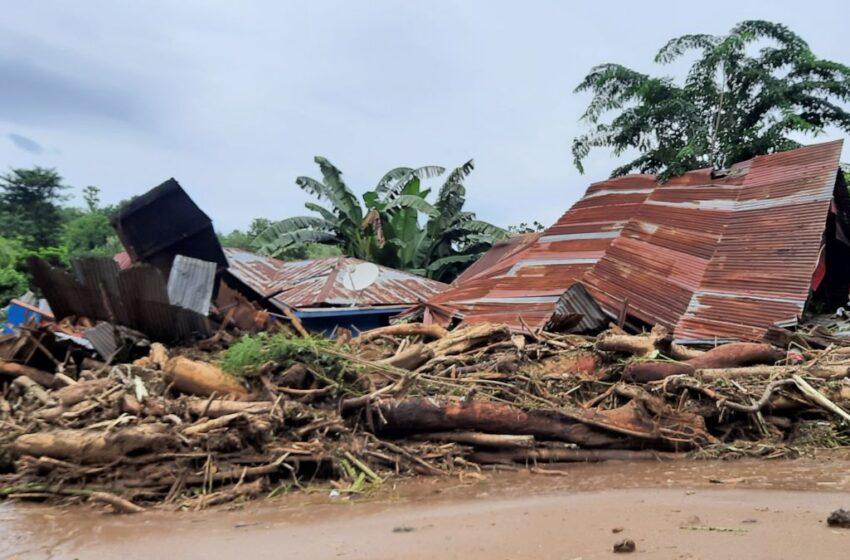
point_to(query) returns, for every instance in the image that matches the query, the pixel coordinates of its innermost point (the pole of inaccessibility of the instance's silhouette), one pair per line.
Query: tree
(523, 228)
(387, 229)
(89, 232)
(744, 96)
(29, 206)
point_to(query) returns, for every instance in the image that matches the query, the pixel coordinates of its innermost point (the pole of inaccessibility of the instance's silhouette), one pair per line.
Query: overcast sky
(234, 99)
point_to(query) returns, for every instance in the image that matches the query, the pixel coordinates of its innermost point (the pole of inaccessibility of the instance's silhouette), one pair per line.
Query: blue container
(20, 313)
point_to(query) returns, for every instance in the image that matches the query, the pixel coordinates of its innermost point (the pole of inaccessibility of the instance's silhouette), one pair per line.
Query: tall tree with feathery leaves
(745, 95)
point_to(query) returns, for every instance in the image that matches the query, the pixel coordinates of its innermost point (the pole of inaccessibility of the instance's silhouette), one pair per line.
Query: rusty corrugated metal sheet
(708, 257)
(315, 283)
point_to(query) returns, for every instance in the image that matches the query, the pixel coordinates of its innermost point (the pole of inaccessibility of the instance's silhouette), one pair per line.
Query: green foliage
(524, 227)
(251, 352)
(12, 284)
(744, 96)
(29, 206)
(396, 226)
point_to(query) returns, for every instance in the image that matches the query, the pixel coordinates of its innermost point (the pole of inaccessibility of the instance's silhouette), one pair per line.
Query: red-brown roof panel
(708, 255)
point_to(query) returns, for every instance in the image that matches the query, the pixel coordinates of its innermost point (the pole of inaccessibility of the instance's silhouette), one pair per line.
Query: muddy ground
(689, 510)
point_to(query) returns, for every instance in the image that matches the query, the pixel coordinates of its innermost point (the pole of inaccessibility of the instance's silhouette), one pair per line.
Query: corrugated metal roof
(708, 257)
(191, 283)
(316, 283)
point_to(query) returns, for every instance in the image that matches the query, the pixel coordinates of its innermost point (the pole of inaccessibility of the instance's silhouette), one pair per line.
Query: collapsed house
(708, 255)
(331, 292)
(176, 284)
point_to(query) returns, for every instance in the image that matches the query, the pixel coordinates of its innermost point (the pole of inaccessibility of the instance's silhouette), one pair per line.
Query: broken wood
(411, 358)
(94, 446)
(201, 378)
(479, 439)
(73, 394)
(733, 355)
(30, 387)
(220, 408)
(432, 331)
(416, 415)
(556, 455)
(13, 369)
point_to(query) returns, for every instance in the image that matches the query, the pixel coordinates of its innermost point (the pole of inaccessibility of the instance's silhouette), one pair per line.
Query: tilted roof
(707, 256)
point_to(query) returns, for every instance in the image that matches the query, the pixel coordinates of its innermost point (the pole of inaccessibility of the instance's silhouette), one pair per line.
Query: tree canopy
(396, 225)
(746, 94)
(29, 206)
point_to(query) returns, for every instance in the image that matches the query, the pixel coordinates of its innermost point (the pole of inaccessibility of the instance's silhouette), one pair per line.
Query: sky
(234, 99)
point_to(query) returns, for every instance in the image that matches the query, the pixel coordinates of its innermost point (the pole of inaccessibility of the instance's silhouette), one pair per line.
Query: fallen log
(479, 439)
(658, 339)
(77, 393)
(466, 338)
(757, 372)
(118, 503)
(30, 387)
(733, 355)
(408, 329)
(12, 369)
(220, 408)
(411, 358)
(95, 446)
(551, 455)
(201, 378)
(419, 415)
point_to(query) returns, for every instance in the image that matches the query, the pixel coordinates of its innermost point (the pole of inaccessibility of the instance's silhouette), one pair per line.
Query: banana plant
(396, 226)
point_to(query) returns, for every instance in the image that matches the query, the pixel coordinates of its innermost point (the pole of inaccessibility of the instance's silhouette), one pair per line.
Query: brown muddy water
(684, 510)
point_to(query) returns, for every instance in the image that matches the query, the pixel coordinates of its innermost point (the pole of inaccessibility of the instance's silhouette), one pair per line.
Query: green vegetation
(744, 96)
(33, 222)
(387, 228)
(252, 352)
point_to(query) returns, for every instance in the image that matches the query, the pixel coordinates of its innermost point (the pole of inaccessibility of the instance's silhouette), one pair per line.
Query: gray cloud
(26, 144)
(35, 94)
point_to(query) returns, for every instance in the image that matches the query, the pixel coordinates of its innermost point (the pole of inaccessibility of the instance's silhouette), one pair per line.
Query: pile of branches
(275, 412)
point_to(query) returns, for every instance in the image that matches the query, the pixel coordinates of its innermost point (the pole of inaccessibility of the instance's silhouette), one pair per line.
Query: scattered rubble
(839, 518)
(624, 546)
(184, 427)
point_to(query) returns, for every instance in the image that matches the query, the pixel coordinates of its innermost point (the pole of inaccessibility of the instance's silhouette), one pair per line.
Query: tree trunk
(411, 358)
(419, 415)
(408, 329)
(570, 456)
(201, 378)
(479, 439)
(12, 369)
(95, 446)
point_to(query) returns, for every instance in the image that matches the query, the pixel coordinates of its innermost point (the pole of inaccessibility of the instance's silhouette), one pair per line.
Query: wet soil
(687, 510)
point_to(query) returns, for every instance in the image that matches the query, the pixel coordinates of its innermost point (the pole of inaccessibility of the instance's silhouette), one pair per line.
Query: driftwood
(734, 355)
(555, 455)
(756, 372)
(479, 439)
(218, 408)
(410, 329)
(12, 369)
(30, 387)
(77, 393)
(466, 338)
(411, 358)
(201, 378)
(416, 415)
(94, 446)
(644, 345)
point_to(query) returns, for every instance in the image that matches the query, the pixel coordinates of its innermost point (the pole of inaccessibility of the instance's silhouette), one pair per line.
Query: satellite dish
(359, 276)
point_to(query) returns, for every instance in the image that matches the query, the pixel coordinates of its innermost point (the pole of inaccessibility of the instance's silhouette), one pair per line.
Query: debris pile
(188, 427)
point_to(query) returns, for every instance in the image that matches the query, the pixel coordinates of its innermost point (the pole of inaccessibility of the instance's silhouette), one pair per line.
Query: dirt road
(753, 510)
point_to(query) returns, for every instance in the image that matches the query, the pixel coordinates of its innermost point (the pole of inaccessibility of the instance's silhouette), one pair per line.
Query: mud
(742, 509)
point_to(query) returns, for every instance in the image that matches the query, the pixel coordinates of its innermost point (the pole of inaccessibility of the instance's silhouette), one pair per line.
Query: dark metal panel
(163, 223)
